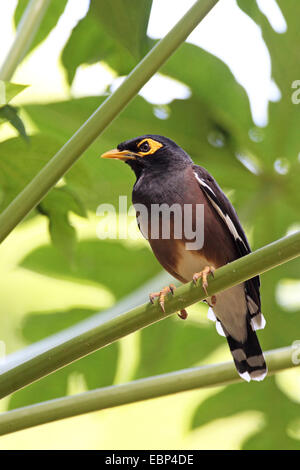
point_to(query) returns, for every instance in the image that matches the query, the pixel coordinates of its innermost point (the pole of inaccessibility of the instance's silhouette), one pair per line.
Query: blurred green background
(55, 271)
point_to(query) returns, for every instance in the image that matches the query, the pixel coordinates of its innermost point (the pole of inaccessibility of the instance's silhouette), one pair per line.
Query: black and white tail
(247, 355)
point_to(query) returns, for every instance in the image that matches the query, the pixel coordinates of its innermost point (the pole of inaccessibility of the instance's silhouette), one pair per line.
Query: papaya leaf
(8, 91)
(116, 35)
(54, 11)
(10, 114)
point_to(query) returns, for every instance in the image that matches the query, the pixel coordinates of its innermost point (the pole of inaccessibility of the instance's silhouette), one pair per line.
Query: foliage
(54, 11)
(215, 127)
(9, 113)
(119, 43)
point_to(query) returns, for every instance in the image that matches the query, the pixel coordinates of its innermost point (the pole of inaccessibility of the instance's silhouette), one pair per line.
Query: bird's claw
(203, 275)
(161, 299)
(161, 295)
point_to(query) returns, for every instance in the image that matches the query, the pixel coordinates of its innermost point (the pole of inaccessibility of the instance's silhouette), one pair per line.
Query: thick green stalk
(85, 341)
(138, 390)
(100, 119)
(26, 31)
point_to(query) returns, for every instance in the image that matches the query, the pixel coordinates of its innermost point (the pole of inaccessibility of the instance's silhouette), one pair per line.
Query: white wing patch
(202, 182)
(228, 222)
(231, 227)
(225, 217)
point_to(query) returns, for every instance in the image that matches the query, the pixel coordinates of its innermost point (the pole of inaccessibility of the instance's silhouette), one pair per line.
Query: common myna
(167, 177)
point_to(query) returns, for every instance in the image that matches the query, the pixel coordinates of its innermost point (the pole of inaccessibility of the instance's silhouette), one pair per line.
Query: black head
(150, 153)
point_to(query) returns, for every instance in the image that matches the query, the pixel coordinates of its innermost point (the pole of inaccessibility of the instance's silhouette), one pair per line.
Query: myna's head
(150, 152)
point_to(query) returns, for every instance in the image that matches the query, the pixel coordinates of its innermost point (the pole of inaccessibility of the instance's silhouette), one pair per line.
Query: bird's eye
(144, 147)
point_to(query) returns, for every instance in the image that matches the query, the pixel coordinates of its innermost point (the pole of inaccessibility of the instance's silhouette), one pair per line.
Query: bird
(166, 176)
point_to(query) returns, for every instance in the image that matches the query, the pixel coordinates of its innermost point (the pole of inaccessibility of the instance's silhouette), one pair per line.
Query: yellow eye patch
(149, 149)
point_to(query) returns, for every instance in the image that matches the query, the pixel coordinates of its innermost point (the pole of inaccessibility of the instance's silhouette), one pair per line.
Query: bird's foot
(161, 299)
(161, 295)
(203, 275)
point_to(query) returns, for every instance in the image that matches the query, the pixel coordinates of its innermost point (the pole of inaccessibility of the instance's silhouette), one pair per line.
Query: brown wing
(226, 212)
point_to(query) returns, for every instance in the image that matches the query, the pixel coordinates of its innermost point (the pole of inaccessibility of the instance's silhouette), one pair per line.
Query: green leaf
(117, 38)
(96, 46)
(56, 206)
(98, 262)
(278, 412)
(62, 199)
(10, 114)
(283, 114)
(19, 162)
(214, 86)
(126, 21)
(8, 91)
(63, 234)
(54, 11)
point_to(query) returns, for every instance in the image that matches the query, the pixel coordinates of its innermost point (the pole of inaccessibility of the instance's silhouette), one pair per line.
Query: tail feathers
(257, 319)
(248, 356)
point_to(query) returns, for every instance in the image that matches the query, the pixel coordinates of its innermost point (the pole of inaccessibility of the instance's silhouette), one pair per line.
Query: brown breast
(173, 253)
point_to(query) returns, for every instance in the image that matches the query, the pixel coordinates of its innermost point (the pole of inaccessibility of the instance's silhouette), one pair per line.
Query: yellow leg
(161, 299)
(203, 275)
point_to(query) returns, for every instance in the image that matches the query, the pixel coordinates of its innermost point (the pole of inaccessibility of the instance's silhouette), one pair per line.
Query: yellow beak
(119, 154)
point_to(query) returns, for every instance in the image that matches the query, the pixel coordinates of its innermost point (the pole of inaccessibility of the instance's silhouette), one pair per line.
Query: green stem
(26, 31)
(138, 390)
(101, 118)
(85, 341)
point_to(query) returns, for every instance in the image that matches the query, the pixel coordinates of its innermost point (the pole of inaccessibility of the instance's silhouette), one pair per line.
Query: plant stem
(127, 303)
(101, 118)
(138, 390)
(85, 341)
(26, 31)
